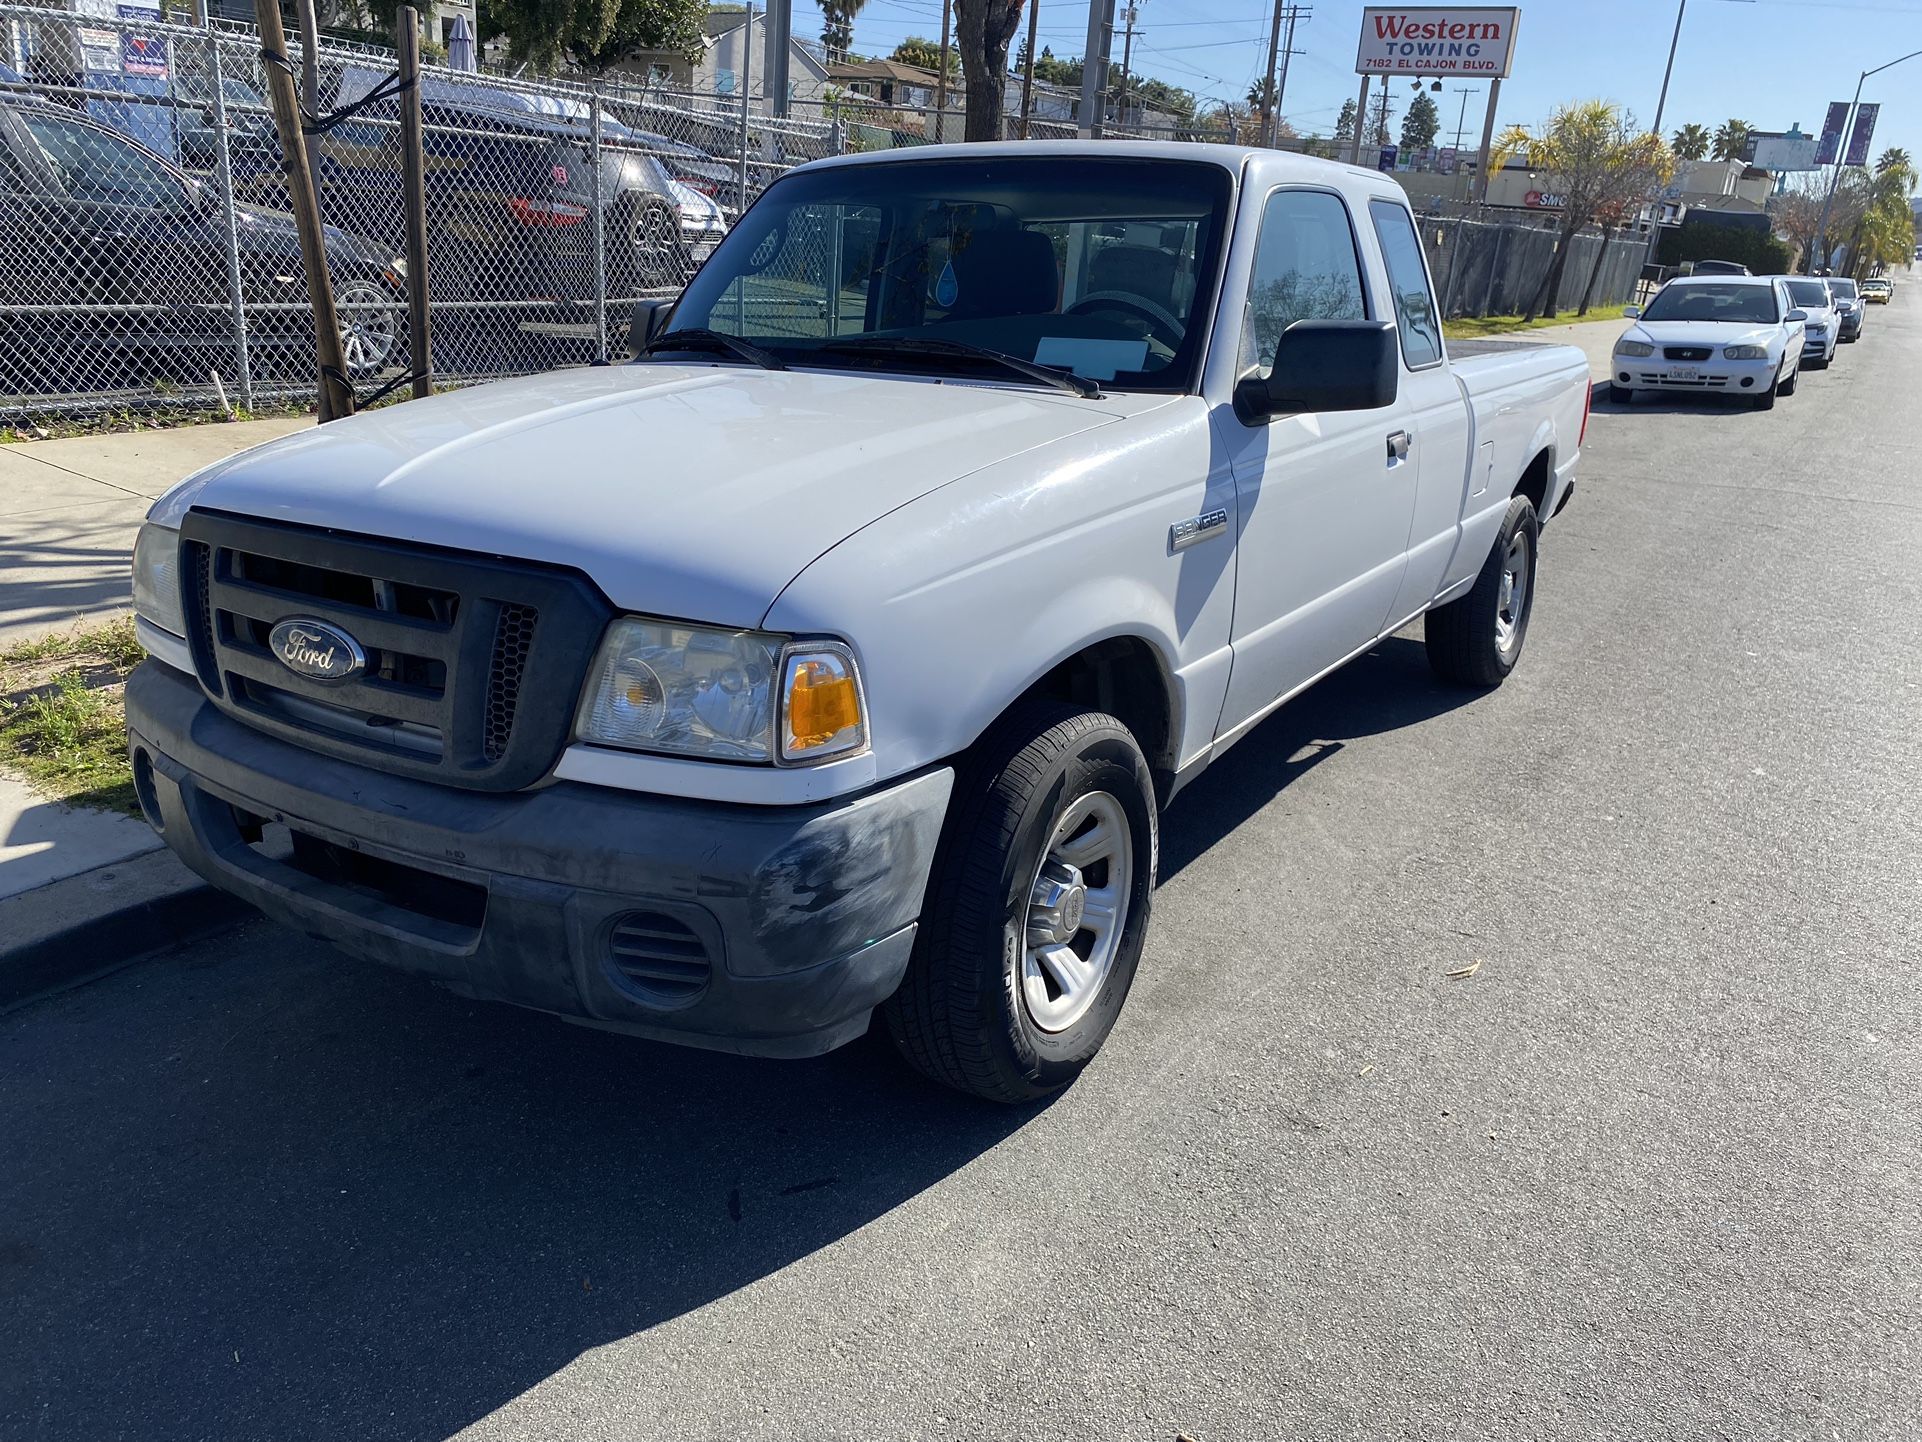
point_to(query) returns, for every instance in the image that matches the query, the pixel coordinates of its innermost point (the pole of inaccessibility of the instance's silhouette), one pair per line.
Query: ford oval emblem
(316, 650)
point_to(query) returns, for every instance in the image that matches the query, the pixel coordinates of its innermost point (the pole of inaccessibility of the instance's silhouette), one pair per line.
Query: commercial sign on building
(1437, 40)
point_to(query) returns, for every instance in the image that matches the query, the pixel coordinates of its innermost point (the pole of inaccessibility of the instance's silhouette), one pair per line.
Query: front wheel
(1476, 639)
(1766, 400)
(372, 328)
(1620, 395)
(1787, 387)
(1037, 908)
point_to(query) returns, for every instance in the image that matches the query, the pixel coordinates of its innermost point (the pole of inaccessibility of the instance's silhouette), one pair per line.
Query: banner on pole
(1831, 143)
(1863, 133)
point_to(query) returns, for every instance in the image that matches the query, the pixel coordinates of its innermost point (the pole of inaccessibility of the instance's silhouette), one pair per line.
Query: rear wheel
(648, 251)
(1037, 908)
(371, 327)
(1477, 639)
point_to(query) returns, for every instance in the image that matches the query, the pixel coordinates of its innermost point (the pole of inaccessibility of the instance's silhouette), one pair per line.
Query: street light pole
(1674, 40)
(1835, 176)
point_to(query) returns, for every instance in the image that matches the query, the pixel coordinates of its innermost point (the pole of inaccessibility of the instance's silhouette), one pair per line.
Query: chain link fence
(147, 259)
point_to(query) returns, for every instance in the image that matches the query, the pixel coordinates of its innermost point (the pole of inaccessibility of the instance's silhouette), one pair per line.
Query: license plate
(1684, 373)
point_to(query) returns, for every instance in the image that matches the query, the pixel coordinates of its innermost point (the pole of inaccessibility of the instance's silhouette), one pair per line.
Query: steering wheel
(1165, 327)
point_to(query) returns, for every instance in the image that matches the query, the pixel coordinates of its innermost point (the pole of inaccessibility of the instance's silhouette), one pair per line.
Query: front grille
(513, 640)
(454, 687)
(658, 957)
(1686, 352)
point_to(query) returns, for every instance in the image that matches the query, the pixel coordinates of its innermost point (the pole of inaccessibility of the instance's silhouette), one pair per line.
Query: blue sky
(1770, 62)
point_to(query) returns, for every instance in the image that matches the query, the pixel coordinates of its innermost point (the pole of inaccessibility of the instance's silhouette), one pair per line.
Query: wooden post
(941, 80)
(336, 391)
(309, 55)
(414, 190)
(1027, 78)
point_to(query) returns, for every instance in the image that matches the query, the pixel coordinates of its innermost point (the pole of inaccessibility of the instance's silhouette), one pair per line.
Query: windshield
(1809, 293)
(1843, 288)
(1744, 304)
(1101, 267)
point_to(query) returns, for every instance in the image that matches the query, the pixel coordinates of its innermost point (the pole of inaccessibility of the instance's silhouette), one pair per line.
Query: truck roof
(1273, 164)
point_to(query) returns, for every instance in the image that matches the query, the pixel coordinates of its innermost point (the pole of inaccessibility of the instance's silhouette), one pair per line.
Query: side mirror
(1631, 312)
(1796, 315)
(649, 320)
(1324, 365)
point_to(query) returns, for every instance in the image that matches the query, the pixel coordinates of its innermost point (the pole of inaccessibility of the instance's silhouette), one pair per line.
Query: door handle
(1398, 444)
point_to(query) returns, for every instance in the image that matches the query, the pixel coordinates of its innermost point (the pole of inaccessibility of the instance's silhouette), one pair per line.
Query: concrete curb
(86, 926)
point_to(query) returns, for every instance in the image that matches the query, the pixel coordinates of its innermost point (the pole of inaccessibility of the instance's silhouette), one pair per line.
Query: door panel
(1325, 504)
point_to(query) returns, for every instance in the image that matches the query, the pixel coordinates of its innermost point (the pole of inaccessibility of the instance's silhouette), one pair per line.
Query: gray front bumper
(806, 915)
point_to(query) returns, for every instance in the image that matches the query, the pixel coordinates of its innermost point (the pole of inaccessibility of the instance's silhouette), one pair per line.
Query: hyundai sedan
(1716, 335)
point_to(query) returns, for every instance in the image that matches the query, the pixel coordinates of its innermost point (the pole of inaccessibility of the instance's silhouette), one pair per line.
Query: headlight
(1818, 330)
(725, 695)
(156, 578)
(1745, 352)
(1633, 347)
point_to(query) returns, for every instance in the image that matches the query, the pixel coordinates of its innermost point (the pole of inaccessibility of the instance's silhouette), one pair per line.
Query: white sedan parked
(1713, 334)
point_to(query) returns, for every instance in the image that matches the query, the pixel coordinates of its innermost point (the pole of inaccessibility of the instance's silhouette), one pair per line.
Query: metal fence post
(1494, 271)
(230, 231)
(747, 87)
(600, 225)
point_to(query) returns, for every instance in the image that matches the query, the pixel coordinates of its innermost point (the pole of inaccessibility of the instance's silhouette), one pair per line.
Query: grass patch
(146, 418)
(1475, 327)
(63, 717)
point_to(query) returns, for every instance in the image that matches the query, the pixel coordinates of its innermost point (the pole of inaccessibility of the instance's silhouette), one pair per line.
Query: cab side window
(1415, 314)
(1306, 268)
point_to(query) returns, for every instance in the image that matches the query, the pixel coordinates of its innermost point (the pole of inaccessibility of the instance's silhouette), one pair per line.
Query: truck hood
(695, 492)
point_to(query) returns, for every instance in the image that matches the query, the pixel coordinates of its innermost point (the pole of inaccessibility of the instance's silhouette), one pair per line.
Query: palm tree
(1895, 161)
(1691, 142)
(1600, 163)
(1730, 138)
(837, 25)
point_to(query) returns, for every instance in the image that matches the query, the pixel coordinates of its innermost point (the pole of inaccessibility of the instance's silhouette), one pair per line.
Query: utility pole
(1094, 67)
(1843, 144)
(1461, 116)
(1278, 52)
(1127, 59)
(1027, 78)
(941, 80)
(1295, 12)
(1380, 127)
(1661, 103)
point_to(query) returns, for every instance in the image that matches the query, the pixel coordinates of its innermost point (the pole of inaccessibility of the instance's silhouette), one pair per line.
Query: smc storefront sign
(1437, 40)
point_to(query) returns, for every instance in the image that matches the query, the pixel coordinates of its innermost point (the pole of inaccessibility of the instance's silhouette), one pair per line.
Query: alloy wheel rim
(367, 334)
(1511, 602)
(1076, 911)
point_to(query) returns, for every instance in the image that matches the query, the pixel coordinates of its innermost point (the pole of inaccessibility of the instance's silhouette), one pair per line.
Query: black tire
(1787, 387)
(962, 1016)
(1620, 395)
(1463, 637)
(1820, 363)
(1766, 400)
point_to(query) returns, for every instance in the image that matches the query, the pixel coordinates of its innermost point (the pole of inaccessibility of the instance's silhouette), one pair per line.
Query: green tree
(1421, 124)
(593, 34)
(921, 52)
(1592, 155)
(1691, 142)
(1345, 122)
(1895, 160)
(1048, 70)
(1730, 137)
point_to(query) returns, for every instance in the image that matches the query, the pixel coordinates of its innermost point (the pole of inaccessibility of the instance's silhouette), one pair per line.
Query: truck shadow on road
(262, 1190)
(1384, 690)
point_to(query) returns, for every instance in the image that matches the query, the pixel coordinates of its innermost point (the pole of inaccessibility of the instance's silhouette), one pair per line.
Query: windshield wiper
(701, 338)
(1063, 380)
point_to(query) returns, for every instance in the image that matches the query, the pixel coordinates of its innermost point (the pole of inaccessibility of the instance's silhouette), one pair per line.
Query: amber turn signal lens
(822, 716)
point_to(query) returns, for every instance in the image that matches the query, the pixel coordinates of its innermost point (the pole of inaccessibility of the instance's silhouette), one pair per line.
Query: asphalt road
(1653, 1170)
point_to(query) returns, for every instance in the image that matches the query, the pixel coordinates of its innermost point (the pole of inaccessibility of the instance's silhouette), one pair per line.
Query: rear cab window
(1416, 315)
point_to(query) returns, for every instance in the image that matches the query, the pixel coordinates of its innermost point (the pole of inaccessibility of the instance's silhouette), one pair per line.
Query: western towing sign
(1437, 41)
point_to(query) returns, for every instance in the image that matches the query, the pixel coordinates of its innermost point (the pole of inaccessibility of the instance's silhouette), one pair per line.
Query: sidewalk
(69, 509)
(1596, 338)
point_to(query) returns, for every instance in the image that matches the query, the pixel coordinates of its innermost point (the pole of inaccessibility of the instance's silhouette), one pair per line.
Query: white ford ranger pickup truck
(838, 653)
